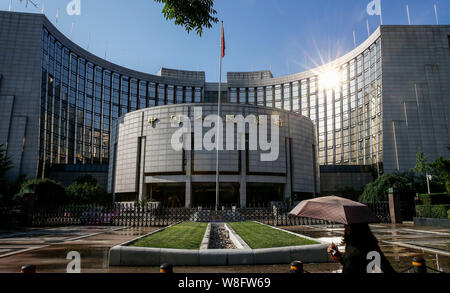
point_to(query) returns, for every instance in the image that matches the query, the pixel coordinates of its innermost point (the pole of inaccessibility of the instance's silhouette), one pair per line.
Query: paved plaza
(47, 248)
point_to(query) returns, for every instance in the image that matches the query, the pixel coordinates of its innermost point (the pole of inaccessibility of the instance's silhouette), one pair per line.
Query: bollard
(166, 268)
(28, 269)
(296, 267)
(419, 265)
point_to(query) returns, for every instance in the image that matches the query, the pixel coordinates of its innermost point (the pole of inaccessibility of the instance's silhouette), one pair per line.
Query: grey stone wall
(415, 98)
(68, 178)
(20, 67)
(416, 94)
(162, 164)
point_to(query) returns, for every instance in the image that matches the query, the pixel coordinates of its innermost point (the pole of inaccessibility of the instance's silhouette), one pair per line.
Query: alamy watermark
(74, 266)
(374, 8)
(74, 7)
(257, 133)
(374, 265)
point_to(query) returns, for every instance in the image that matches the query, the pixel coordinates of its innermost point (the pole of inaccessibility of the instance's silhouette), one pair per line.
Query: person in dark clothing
(358, 241)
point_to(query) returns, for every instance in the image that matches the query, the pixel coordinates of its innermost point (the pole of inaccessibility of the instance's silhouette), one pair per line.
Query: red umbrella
(335, 209)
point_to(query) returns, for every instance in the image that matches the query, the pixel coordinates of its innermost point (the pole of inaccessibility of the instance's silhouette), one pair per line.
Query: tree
(5, 161)
(192, 14)
(8, 189)
(44, 191)
(404, 184)
(85, 190)
(88, 178)
(440, 169)
(421, 166)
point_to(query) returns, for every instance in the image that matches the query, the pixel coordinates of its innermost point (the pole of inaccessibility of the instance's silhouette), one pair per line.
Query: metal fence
(135, 215)
(10, 215)
(381, 210)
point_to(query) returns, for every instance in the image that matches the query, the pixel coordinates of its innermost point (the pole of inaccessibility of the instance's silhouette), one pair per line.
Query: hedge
(433, 211)
(435, 199)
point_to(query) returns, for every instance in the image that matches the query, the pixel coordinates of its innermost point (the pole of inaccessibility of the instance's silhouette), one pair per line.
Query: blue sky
(286, 36)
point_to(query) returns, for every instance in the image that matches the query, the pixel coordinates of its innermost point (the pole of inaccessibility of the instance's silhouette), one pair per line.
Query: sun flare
(329, 79)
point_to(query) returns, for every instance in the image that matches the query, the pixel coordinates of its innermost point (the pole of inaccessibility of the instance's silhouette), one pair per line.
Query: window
(242, 96)
(161, 94)
(295, 97)
(133, 95)
(179, 92)
(142, 95)
(269, 96)
(278, 102)
(260, 96)
(170, 94)
(188, 94)
(251, 96)
(125, 90)
(198, 95)
(152, 94)
(287, 97)
(233, 95)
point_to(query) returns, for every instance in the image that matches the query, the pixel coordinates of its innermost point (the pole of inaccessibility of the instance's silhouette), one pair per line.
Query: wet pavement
(48, 248)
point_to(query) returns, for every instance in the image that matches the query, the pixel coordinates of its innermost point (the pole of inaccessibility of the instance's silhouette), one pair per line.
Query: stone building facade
(374, 108)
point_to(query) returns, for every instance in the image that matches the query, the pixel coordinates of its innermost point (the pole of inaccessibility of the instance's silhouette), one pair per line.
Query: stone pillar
(394, 207)
(188, 193)
(288, 185)
(142, 186)
(243, 183)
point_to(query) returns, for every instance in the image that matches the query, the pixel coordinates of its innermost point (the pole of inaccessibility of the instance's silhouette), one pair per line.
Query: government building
(66, 112)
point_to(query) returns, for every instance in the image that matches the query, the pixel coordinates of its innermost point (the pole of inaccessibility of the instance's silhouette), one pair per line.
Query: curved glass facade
(347, 114)
(81, 99)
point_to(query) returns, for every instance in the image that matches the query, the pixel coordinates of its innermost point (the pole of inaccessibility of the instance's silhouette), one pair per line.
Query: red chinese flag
(223, 43)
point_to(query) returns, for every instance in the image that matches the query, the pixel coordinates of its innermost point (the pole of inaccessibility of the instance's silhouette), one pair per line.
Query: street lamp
(429, 177)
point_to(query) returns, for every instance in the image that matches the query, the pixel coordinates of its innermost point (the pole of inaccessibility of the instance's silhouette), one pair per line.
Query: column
(141, 181)
(243, 183)
(394, 207)
(188, 193)
(288, 185)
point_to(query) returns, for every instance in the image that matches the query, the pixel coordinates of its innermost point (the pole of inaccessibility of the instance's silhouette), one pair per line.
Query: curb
(122, 255)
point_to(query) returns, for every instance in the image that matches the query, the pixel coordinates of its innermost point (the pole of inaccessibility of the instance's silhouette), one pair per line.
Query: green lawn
(181, 236)
(261, 236)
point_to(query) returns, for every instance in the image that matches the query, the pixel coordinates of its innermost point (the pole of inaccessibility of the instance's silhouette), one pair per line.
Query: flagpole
(436, 14)
(368, 27)
(219, 132)
(407, 12)
(71, 32)
(57, 17)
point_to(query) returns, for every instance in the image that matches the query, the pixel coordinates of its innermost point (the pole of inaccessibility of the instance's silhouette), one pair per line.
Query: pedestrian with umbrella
(358, 239)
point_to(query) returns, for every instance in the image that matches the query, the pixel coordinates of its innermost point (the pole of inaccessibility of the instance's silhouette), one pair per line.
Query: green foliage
(8, 189)
(88, 178)
(439, 169)
(403, 184)
(435, 198)
(433, 211)
(181, 236)
(85, 190)
(5, 161)
(258, 236)
(44, 191)
(346, 192)
(421, 166)
(192, 14)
